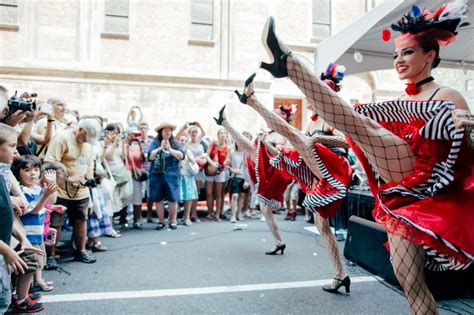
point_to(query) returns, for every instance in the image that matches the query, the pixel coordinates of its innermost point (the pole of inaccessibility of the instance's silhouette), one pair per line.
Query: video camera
(15, 104)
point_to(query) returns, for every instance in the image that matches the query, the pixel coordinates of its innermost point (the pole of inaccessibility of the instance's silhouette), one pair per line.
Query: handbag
(192, 167)
(139, 175)
(211, 170)
(159, 164)
(121, 176)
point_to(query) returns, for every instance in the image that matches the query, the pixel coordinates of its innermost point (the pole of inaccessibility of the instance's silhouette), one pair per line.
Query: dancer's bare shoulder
(449, 94)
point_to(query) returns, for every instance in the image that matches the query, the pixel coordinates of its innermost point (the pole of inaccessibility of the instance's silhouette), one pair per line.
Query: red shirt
(135, 156)
(221, 154)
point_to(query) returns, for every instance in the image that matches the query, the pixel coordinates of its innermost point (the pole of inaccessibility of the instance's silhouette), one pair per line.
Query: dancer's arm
(298, 140)
(239, 138)
(270, 148)
(374, 139)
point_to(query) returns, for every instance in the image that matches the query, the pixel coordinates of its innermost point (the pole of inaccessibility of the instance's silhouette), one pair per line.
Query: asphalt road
(210, 268)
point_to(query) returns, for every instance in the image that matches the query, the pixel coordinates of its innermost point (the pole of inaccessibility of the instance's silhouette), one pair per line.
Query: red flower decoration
(386, 35)
(412, 89)
(314, 117)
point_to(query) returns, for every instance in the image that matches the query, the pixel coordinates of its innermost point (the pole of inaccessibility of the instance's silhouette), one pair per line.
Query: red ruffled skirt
(270, 182)
(443, 223)
(323, 195)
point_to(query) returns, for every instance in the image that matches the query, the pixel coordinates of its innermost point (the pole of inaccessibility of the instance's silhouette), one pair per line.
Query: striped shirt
(34, 223)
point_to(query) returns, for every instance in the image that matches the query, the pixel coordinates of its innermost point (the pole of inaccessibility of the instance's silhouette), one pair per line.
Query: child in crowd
(22, 261)
(27, 170)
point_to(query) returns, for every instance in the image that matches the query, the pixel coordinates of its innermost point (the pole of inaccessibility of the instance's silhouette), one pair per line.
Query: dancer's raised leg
(390, 154)
(298, 140)
(239, 138)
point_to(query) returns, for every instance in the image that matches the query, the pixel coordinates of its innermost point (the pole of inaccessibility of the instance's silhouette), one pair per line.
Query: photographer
(28, 140)
(73, 149)
(54, 123)
(9, 109)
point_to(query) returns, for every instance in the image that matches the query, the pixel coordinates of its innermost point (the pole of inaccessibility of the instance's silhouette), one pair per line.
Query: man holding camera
(73, 149)
(55, 107)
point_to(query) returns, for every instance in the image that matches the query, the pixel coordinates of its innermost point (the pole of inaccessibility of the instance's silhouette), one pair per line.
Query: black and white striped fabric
(298, 169)
(303, 173)
(438, 126)
(314, 201)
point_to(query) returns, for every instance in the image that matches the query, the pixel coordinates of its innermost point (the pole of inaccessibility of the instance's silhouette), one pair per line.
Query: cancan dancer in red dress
(324, 175)
(426, 187)
(268, 182)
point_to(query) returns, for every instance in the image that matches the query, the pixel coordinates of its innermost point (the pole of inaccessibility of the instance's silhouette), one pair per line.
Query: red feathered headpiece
(441, 25)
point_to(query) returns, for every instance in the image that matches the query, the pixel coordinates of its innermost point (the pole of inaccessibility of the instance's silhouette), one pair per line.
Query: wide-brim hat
(165, 125)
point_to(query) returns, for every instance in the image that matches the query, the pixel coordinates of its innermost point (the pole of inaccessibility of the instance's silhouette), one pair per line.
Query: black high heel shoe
(346, 282)
(244, 97)
(276, 249)
(219, 120)
(276, 49)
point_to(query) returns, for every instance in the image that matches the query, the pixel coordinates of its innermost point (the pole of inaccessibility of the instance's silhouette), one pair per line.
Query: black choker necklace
(414, 88)
(428, 79)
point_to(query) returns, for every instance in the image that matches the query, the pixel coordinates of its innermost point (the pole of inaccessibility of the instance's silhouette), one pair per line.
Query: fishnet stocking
(388, 153)
(271, 222)
(408, 262)
(267, 211)
(302, 143)
(331, 244)
(239, 138)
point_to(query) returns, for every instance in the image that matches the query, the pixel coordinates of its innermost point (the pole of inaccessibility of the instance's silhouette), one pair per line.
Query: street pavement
(210, 268)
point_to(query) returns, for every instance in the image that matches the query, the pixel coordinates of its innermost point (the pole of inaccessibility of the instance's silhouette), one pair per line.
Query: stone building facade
(179, 60)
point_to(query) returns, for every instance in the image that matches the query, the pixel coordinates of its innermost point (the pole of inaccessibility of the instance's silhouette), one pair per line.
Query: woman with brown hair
(165, 154)
(217, 157)
(420, 156)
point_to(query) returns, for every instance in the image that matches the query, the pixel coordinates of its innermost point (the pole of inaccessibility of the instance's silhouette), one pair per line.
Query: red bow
(314, 117)
(412, 89)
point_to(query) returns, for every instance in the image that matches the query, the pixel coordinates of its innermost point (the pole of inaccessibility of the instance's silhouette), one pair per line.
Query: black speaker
(365, 246)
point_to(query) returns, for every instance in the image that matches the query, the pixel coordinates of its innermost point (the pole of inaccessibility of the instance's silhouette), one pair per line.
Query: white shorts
(216, 178)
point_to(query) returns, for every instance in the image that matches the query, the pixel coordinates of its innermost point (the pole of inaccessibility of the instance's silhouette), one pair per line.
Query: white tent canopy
(364, 36)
